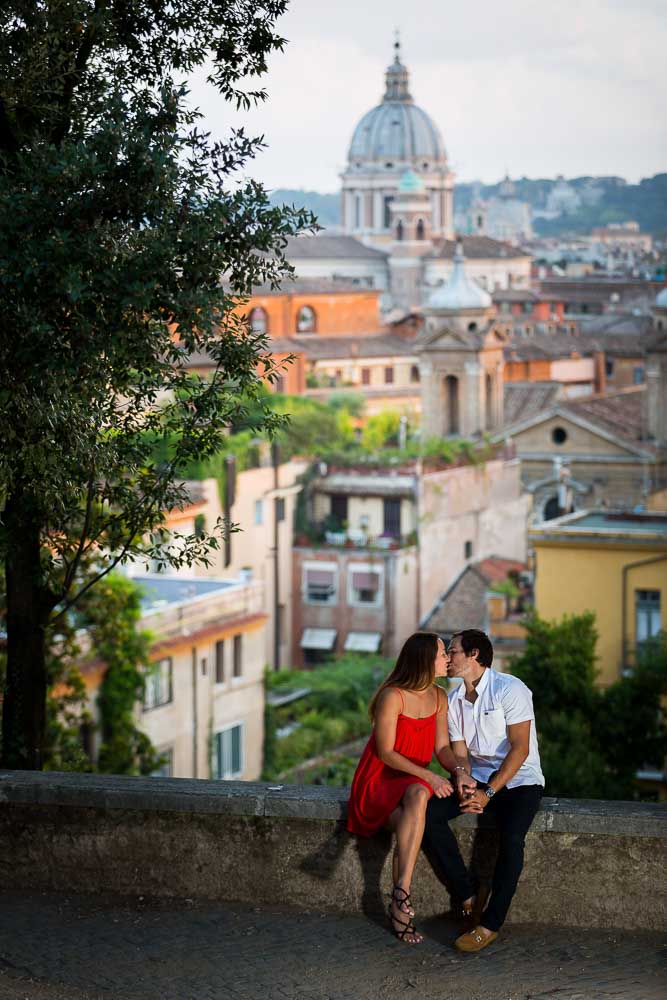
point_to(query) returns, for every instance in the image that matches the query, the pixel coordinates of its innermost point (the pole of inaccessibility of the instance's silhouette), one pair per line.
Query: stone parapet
(588, 863)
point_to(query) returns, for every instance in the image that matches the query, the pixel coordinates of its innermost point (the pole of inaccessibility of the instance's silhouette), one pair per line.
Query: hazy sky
(576, 87)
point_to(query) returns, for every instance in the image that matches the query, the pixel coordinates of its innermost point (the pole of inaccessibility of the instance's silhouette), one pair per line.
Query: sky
(534, 89)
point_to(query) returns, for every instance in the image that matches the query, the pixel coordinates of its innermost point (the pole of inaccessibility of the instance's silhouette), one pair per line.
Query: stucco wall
(571, 579)
(588, 864)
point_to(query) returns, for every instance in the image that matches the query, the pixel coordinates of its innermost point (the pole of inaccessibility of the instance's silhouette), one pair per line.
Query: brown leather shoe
(475, 940)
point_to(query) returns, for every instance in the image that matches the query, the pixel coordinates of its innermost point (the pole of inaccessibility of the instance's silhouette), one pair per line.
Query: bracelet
(460, 767)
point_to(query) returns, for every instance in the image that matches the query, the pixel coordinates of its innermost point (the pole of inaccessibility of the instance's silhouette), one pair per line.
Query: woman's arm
(386, 717)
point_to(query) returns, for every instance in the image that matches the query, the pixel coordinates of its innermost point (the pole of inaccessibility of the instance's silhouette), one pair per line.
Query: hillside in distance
(603, 200)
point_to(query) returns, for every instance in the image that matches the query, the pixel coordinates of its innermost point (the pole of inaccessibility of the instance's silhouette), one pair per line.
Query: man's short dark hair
(473, 638)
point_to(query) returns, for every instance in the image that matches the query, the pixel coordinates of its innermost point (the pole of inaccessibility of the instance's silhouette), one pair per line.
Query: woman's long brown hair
(415, 667)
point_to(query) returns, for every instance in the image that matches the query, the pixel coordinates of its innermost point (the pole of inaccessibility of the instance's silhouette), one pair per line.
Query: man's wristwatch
(489, 792)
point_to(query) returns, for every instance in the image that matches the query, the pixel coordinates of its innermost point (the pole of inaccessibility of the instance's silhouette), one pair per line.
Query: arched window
(420, 229)
(386, 206)
(451, 386)
(551, 509)
(305, 320)
(259, 321)
(399, 230)
(414, 373)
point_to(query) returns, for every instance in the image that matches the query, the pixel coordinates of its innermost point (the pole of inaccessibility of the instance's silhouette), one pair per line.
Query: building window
(166, 768)
(259, 511)
(472, 327)
(365, 376)
(414, 373)
(420, 230)
(238, 656)
(228, 756)
(559, 435)
(387, 211)
(319, 583)
(357, 211)
(280, 508)
(279, 383)
(220, 662)
(638, 375)
(204, 666)
(388, 376)
(467, 550)
(339, 510)
(451, 390)
(259, 321)
(527, 308)
(391, 517)
(399, 230)
(305, 320)
(364, 585)
(647, 615)
(159, 687)
(609, 367)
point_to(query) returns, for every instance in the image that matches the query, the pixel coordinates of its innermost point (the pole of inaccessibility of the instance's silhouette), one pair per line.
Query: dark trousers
(513, 810)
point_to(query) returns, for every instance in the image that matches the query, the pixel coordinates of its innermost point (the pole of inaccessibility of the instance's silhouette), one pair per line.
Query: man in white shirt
(492, 734)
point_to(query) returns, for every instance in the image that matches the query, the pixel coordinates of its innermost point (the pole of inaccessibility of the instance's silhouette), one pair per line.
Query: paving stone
(88, 948)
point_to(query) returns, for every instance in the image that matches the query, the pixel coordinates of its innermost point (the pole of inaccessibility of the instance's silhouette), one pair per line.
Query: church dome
(661, 299)
(397, 130)
(459, 292)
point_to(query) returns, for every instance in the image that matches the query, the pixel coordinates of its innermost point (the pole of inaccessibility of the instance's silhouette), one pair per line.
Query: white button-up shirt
(502, 700)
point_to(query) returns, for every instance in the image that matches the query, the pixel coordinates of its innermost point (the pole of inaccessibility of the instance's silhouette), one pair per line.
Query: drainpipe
(275, 461)
(624, 600)
(195, 740)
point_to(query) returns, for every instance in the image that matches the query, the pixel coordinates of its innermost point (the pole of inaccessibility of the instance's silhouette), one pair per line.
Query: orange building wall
(538, 370)
(352, 313)
(293, 374)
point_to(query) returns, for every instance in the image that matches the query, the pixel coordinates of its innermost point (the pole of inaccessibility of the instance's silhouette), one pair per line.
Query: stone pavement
(54, 947)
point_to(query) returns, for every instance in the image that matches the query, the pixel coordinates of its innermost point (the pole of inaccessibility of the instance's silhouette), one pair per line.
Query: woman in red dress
(392, 783)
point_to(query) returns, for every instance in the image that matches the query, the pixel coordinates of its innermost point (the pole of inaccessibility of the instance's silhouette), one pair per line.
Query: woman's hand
(441, 787)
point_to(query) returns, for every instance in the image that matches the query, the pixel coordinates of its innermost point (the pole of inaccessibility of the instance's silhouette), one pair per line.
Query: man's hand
(475, 802)
(465, 783)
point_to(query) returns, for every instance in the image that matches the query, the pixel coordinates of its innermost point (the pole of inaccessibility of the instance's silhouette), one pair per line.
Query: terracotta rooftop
(619, 413)
(325, 246)
(316, 286)
(477, 247)
(523, 400)
(371, 346)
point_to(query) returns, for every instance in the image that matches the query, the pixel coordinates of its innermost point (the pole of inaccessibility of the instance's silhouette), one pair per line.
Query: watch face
(489, 792)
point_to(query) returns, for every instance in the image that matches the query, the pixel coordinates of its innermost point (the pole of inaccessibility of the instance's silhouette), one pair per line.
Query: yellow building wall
(571, 579)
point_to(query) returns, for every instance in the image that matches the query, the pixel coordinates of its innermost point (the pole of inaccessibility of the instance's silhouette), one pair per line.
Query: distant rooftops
(325, 246)
(477, 247)
(316, 286)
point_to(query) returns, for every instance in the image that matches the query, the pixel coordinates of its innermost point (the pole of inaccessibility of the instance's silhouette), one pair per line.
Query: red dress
(376, 788)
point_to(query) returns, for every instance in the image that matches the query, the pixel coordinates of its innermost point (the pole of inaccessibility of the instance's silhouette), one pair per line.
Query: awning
(319, 577)
(363, 642)
(318, 638)
(366, 581)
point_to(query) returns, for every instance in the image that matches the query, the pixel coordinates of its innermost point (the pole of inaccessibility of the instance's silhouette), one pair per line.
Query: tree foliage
(592, 740)
(118, 218)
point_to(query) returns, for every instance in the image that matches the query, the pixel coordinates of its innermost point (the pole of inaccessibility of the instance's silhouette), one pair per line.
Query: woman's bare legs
(407, 822)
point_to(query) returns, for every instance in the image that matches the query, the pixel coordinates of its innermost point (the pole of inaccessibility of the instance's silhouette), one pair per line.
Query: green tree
(118, 217)
(592, 740)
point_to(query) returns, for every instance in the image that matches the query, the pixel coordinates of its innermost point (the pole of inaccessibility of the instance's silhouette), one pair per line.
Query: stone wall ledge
(588, 863)
(305, 802)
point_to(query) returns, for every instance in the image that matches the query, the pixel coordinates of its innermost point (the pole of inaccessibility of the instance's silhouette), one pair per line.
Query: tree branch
(73, 77)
